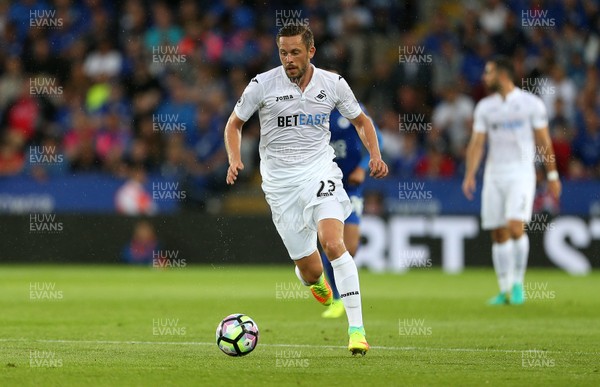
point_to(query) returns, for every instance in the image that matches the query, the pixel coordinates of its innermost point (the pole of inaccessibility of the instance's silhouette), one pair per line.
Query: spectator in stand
(12, 159)
(143, 245)
(105, 61)
(46, 160)
(177, 110)
(454, 118)
(143, 90)
(409, 71)
(558, 86)
(493, 17)
(163, 31)
(562, 134)
(133, 20)
(176, 159)
(132, 198)
(410, 155)
(154, 141)
(208, 157)
(435, 164)
(11, 81)
(86, 159)
(587, 143)
(446, 67)
(391, 143)
(38, 59)
(29, 111)
(112, 140)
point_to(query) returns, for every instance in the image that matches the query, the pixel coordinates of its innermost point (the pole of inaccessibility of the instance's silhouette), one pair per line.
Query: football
(237, 335)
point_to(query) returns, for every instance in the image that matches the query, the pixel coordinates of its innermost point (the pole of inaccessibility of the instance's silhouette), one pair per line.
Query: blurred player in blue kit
(353, 159)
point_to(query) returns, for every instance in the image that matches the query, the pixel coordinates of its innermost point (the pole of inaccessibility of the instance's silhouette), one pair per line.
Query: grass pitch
(124, 326)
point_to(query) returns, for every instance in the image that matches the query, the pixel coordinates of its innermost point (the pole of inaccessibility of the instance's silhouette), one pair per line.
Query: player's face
(490, 77)
(294, 56)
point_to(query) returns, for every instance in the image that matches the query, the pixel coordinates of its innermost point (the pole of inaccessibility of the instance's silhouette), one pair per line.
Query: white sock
(521, 253)
(300, 277)
(502, 256)
(346, 279)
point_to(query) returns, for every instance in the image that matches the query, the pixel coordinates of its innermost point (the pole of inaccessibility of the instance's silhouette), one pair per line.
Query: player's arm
(544, 145)
(357, 177)
(473, 160)
(248, 103)
(366, 131)
(233, 142)
(474, 151)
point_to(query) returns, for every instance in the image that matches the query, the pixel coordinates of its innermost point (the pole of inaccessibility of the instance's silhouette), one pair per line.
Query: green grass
(102, 329)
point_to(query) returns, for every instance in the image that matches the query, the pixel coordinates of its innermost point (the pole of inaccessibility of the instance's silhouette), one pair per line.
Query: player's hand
(357, 176)
(468, 187)
(555, 188)
(232, 172)
(378, 168)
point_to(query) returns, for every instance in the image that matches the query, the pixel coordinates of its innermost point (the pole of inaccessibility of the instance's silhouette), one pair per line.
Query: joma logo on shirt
(354, 293)
(283, 98)
(301, 119)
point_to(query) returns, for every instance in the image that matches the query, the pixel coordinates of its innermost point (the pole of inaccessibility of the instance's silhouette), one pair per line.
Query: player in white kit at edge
(302, 184)
(514, 122)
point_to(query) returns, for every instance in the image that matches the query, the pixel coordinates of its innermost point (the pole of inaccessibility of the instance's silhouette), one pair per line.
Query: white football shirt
(509, 124)
(294, 125)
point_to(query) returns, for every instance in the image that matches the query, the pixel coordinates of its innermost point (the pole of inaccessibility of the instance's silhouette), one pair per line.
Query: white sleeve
(346, 101)
(539, 116)
(479, 124)
(250, 100)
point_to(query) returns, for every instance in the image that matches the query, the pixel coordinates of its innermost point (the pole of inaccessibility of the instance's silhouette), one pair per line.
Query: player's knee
(311, 274)
(333, 247)
(500, 235)
(516, 229)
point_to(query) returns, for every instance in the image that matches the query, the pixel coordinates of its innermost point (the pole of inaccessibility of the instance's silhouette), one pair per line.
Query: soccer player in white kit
(514, 122)
(302, 184)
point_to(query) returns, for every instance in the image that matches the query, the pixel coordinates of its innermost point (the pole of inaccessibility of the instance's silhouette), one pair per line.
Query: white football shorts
(506, 197)
(297, 210)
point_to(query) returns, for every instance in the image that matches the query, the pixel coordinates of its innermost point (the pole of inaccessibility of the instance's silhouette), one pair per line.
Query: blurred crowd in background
(137, 87)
